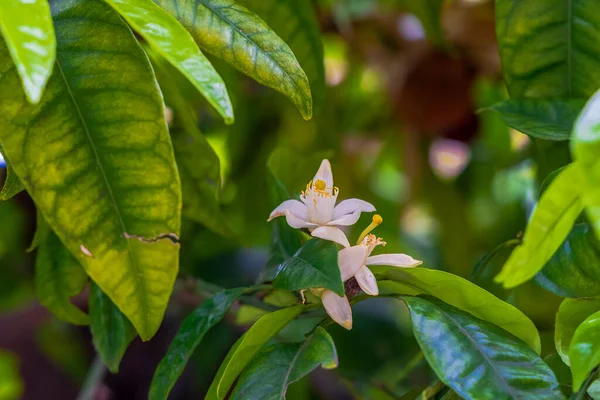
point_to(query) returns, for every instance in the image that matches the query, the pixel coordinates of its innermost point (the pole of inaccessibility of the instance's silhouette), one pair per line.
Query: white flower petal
(296, 207)
(367, 281)
(338, 308)
(350, 260)
(346, 220)
(350, 206)
(331, 233)
(324, 173)
(395, 260)
(296, 222)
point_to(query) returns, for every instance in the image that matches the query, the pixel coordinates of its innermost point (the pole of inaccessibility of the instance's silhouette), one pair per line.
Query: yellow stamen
(377, 220)
(320, 185)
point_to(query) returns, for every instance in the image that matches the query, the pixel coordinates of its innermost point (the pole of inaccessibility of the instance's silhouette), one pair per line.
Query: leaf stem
(94, 377)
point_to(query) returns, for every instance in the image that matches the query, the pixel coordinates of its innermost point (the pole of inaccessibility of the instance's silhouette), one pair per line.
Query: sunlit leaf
(29, 34)
(543, 119)
(295, 22)
(12, 184)
(238, 36)
(557, 210)
(477, 359)
(253, 340)
(276, 367)
(549, 48)
(315, 265)
(176, 45)
(459, 293)
(585, 148)
(584, 350)
(58, 277)
(571, 314)
(96, 158)
(111, 330)
(573, 269)
(191, 332)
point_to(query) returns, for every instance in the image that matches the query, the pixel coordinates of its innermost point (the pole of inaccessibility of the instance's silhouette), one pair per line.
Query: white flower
(317, 210)
(353, 262)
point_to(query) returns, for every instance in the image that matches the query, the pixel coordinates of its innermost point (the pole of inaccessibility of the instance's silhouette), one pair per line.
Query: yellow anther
(377, 220)
(320, 184)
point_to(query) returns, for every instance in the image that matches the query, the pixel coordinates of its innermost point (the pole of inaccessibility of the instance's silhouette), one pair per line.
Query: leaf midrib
(136, 268)
(286, 377)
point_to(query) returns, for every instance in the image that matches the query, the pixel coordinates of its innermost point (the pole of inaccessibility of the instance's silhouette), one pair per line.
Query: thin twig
(93, 379)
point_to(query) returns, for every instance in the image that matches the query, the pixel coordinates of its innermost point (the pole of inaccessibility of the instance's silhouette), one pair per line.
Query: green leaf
(584, 350)
(557, 210)
(315, 265)
(561, 371)
(177, 46)
(191, 332)
(571, 313)
(477, 359)
(29, 34)
(585, 147)
(198, 164)
(11, 382)
(295, 22)
(429, 13)
(85, 152)
(58, 277)
(573, 269)
(252, 341)
(549, 49)
(276, 367)
(238, 36)
(12, 184)
(594, 390)
(111, 330)
(212, 390)
(542, 119)
(459, 293)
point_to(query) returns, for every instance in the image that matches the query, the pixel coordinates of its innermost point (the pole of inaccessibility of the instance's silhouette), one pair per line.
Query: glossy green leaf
(477, 359)
(212, 390)
(315, 265)
(542, 119)
(594, 390)
(111, 330)
(584, 350)
(557, 210)
(29, 34)
(549, 48)
(175, 44)
(585, 148)
(58, 277)
(571, 313)
(573, 270)
(11, 382)
(276, 367)
(96, 157)
(459, 293)
(197, 162)
(295, 22)
(238, 36)
(12, 184)
(253, 340)
(191, 332)
(429, 13)
(561, 371)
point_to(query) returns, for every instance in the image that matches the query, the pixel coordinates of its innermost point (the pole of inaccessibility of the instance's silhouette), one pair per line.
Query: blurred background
(404, 124)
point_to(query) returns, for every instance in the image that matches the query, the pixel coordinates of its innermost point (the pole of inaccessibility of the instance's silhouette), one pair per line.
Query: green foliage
(571, 314)
(456, 344)
(235, 34)
(12, 184)
(176, 45)
(251, 343)
(124, 245)
(550, 223)
(573, 269)
(464, 295)
(584, 350)
(29, 35)
(11, 383)
(542, 119)
(191, 332)
(314, 265)
(275, 367)
(111, 330)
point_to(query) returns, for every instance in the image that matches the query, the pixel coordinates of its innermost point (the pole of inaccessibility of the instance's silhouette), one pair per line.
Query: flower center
(320, 185)
(377, 220)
